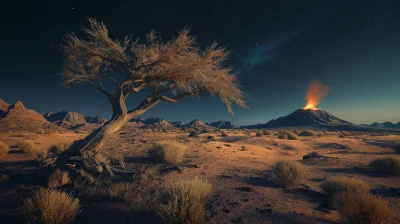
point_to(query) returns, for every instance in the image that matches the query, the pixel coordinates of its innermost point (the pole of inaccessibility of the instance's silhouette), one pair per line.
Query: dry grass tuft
(396, 146)
(362, 208)
(58, 179)
(170, 152)
(41, 154)
(287, 135)
(307, 133)
(27, 147)
(184, 201)
(266, 132)
(4, 148)
(224, 134)
(341, 184)
(48, 206)
(288, 173)
(258, 134)
(388, 165)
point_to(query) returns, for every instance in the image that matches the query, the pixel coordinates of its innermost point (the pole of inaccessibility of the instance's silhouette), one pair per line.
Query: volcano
(305, 117)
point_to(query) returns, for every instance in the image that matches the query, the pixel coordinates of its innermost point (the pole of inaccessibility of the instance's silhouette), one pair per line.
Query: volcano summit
(304, 117)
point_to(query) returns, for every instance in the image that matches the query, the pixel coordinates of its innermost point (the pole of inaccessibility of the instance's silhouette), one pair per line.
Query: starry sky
(277, 48)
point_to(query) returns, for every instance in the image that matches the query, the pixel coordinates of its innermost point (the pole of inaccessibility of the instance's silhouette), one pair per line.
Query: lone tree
(173, 70)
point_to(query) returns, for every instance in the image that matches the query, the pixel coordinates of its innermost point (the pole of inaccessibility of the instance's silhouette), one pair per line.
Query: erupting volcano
(315, 93)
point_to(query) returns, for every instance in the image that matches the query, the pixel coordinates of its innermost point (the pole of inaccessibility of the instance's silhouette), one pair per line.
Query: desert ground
(238, 166)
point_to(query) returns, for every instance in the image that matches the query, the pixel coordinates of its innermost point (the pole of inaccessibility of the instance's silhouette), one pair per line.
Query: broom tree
(173, 70)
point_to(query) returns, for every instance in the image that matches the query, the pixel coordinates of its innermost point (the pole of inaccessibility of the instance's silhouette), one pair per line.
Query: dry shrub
(287, 135)
(388, 165)
(4, 148)
(288, 173)
(50, 131)
(124, 191)
(396, 146)
(41, 154)
(184, 201)
(170, 152)
(58, 179)
(48, 206)
(224, 134)
(365, 208)
(27, 147)
(266, 132)
(307, 133)
(231, 139)
(341, 184)
(258, 134)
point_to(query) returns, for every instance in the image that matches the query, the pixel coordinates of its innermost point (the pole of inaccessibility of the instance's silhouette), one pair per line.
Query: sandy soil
(243, 188)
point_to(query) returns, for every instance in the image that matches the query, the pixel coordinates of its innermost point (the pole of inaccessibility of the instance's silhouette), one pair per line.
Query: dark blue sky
(278, 48)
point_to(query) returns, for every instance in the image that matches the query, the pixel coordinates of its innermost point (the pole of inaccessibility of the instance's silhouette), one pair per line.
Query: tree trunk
(95, 140)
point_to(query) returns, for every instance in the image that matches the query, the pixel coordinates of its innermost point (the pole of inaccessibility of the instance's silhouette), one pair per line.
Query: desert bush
(27, 147)
(58, 179)
(170, 152)
(243, 148)
(388, 165)
(194, 134)
(224, 134)
(288, 173)
(4, 148)
(48, 206)
(312, 155)
(42, 154)
(184, 201)
(59, 148)
(266, 132)
(39, 131)
(340, 184)
(258, 134)
(307, 133)
(287, 135)
(124, 191)
(231, 139)
(396, 146)
(205, 130)
(365, 208)
(211, 138)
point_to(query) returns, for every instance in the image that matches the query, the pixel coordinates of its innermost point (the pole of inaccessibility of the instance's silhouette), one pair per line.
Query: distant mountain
(221, 124)
(157, 123)
(384, 125)
(18, 117)
(179, 124)
(303, 117)
(197, 124)
(74, 120)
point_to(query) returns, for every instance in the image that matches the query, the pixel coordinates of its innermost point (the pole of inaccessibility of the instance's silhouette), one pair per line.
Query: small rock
(246, 189)
(226, 210)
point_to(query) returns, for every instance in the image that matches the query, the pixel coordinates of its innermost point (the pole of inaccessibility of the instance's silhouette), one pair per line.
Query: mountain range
(386, 124)
(17, 116)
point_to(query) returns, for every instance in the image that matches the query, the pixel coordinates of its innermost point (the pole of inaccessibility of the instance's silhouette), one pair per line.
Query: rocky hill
(221, 124)
(16, 116)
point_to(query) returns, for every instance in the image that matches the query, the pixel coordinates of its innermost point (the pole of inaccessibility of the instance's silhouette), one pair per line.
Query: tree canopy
(177, 67)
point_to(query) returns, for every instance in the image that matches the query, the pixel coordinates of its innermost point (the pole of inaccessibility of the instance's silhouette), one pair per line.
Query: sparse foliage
(58, 179)
(388, 165)
(184, 201)
(288, 173)
(48, 206)
(341, 184)
(27, 147)
(307, 133)
(287, 135)
(365, 208)
(170, 152)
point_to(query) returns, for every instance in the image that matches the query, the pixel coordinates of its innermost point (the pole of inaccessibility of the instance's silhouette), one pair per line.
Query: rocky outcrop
(221, 124)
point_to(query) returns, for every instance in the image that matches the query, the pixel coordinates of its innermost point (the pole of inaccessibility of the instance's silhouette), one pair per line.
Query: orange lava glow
(315, 93)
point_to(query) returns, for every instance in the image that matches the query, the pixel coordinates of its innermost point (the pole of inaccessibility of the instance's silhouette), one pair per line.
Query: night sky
(277, 48)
